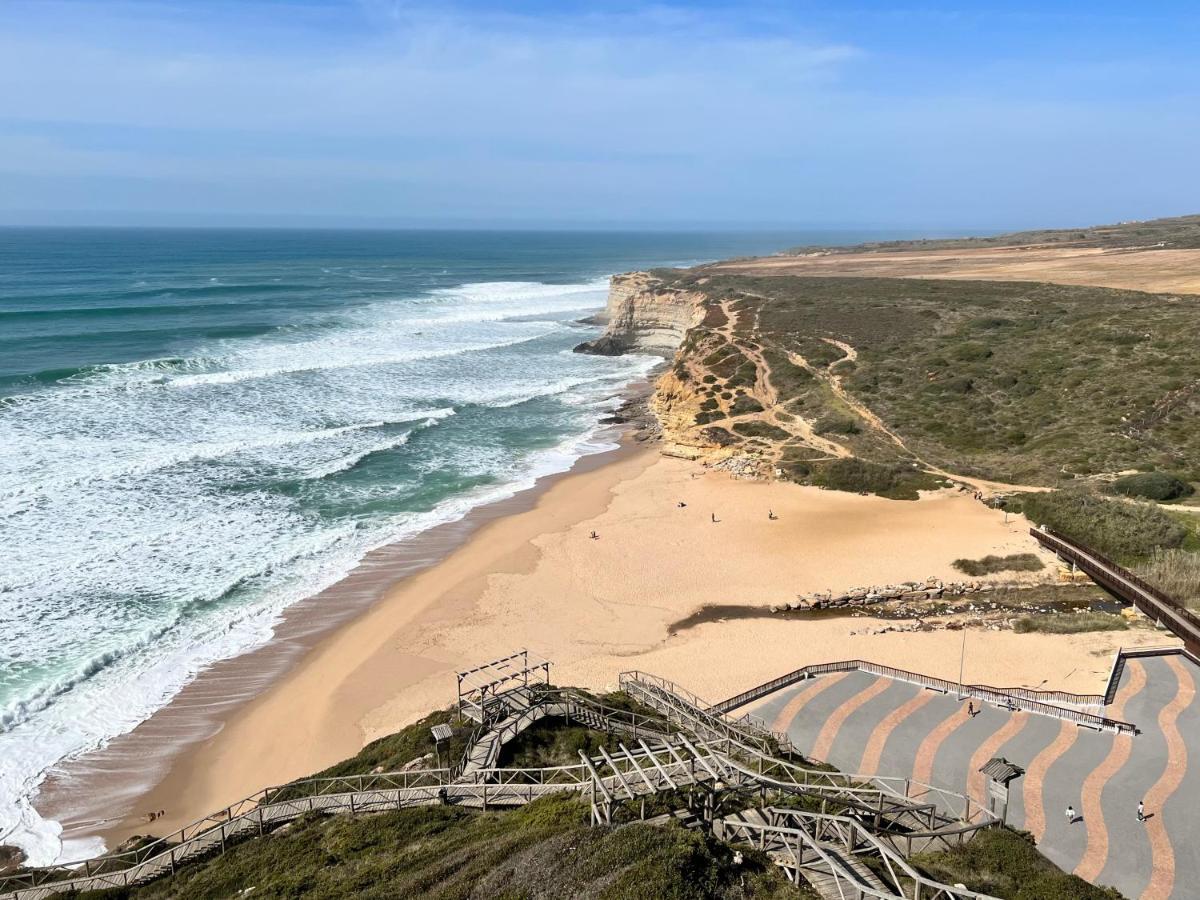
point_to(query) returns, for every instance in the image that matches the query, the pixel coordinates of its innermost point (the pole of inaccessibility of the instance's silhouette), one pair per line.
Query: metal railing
(1012, 698)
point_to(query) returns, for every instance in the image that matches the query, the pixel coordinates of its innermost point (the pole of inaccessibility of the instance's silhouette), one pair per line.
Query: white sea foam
(159, 515)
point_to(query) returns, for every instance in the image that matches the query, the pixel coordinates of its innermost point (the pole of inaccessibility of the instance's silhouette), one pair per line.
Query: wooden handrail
(1153, 601)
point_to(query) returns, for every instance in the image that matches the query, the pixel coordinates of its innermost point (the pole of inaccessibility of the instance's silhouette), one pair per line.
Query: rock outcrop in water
(644, 316)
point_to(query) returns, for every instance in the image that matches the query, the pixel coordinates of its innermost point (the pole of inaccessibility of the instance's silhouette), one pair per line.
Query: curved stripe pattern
(923, 764)
(829, 731)
(1162, 880)
(790, 709)
(1035, 779)
(873, 752)
(976, 782)
(1096, 854)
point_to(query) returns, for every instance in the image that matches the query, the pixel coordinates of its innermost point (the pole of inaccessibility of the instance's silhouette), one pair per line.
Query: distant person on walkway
(1141, 811)
(1070, 815)
(971, 709)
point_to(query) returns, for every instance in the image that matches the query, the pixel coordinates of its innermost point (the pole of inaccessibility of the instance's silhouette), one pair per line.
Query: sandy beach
(598, 606)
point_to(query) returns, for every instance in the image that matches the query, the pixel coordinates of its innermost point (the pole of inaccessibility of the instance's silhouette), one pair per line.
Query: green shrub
(833, 423)
(1159, 486)
(1070, 623)
(761, 430)
(1005, 863)
(989, 565)
(745, 404)
(862, 477)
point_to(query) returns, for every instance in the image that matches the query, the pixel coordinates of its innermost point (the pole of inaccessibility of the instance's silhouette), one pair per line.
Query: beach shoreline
(529, 574)
(107, 787)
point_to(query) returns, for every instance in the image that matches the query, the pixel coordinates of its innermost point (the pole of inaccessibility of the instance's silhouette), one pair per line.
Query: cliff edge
(645, 315)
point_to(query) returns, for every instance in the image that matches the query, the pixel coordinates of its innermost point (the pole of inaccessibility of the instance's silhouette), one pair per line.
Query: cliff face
(648, 315)
(645, 316)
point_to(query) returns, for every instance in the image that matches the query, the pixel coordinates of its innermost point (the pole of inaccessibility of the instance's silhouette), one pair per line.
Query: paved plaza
(874, 725)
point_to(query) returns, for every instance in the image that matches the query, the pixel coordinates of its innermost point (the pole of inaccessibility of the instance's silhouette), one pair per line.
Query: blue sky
(934, 115)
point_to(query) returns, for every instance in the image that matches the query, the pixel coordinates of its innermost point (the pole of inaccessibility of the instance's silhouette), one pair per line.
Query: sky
(969, 115)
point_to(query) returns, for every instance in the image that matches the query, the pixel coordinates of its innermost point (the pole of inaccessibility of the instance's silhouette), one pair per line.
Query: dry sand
(1159, 271)
(596, 607)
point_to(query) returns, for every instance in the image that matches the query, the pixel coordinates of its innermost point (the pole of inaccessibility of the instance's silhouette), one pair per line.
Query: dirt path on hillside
(834, 382)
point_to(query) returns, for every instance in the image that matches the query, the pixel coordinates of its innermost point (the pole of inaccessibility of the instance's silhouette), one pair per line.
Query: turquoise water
(202, 427)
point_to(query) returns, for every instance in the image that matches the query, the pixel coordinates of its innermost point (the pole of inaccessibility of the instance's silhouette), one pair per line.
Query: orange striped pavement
(1162, 881)
(829, 731)
(798, 702)
(1096, 854)
(923, 764)
(878, 738)
(976, 782)
(1035, 778)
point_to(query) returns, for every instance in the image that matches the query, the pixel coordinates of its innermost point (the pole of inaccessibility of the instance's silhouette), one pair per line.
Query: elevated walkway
(698, 756)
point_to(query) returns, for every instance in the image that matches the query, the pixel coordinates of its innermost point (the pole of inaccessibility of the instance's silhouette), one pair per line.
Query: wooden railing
(655, 767)
(805, 838)
(1152, 601)
(868, 794)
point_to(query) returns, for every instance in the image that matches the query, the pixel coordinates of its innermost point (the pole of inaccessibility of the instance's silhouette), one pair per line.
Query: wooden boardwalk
(706, 761)
(1148, 599)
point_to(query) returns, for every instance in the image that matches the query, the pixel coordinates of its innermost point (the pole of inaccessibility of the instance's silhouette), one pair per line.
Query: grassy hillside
(1016, 382)
(1180, 232)
(544, 850)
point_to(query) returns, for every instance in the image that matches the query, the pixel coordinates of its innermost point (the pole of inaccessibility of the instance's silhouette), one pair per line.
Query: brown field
(1151, 269)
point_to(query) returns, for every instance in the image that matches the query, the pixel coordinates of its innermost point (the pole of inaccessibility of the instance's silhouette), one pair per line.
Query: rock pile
(930, 589)
(748, 467)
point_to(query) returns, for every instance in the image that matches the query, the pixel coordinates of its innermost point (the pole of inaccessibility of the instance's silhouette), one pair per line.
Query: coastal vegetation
(1127, 532)
(1078, 623)
(547, 848)
(1019, 382)
(1004, 862)
(1159, 486)
(1181, 232)
(1177, 572)
(860, 476)
(991, 564)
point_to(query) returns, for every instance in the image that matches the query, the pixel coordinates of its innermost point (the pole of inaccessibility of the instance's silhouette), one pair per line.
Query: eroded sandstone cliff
(645, 316)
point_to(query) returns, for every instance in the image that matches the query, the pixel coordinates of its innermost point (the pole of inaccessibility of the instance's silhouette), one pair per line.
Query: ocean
(201, 427)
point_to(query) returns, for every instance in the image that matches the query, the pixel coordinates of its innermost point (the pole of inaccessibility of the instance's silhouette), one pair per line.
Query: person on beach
(1141, 811)
(714, 517)
(681, 504)
(771, 515)
(1070, 815)
(594, 536)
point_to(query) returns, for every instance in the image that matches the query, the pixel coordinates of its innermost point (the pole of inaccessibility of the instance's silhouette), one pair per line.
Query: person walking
(1141, 810)
(970, 709)
(1070, 815)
